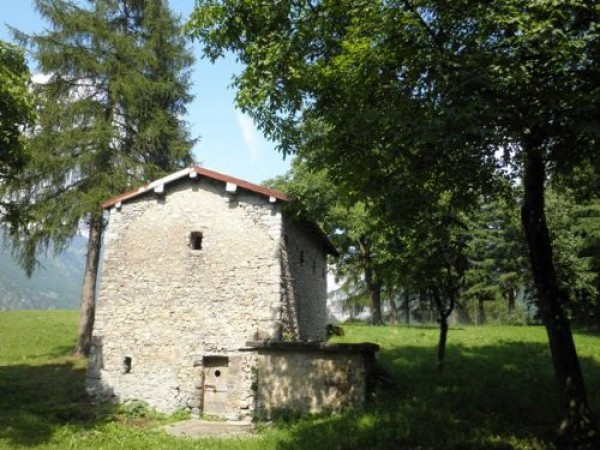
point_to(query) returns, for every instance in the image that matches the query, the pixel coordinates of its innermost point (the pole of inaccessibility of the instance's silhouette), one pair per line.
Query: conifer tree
(497, 253)
(109, 119)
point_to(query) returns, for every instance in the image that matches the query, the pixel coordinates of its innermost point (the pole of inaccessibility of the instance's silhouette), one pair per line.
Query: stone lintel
(360, 347)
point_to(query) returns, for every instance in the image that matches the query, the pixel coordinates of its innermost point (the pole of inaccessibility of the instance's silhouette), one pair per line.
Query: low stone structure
(194, 266)
(310, 378)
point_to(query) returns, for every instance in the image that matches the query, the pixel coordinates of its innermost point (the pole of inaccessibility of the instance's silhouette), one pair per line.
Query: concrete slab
(195, 428)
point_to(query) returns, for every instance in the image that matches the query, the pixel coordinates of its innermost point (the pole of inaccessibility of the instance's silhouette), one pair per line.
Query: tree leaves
(109, 115)
(16, 110)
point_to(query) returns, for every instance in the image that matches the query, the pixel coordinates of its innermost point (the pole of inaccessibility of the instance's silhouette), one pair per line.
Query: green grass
(497, 391)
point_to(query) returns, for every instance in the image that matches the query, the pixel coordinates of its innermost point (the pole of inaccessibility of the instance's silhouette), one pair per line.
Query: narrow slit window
(314, 266)
(301, 257)
(127, 364)
(196, 240)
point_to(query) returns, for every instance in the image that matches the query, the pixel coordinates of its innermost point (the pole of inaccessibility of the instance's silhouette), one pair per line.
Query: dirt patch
(206, 428)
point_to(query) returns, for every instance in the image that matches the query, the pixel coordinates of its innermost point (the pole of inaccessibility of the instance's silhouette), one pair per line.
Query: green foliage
(574, 213)
(575, 229)
(499, 264)
(377, 90)
(44, 403)
(498, 313)
(16, 115)
(135, 408)
(16, 109)
(108, 115)
(409, 103)
(574, 271)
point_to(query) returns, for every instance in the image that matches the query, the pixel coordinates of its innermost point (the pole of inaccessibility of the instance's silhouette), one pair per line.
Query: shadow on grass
(36, 400)
(490, 397)
(56, 352)
(587, 332)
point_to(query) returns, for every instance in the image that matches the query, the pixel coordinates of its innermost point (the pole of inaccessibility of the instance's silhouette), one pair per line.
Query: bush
(135, 409)
(497, 313)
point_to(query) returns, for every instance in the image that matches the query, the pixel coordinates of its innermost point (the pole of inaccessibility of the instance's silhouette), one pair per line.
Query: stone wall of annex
(164, 306)
(308, 382)
(304, 271)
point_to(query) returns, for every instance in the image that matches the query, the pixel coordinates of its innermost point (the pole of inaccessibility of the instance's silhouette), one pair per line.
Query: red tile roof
(202, 172)
(311, 226)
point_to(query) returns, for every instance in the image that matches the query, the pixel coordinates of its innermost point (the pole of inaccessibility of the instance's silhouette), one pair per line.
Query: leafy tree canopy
(404, 101)
(364, 83)
(16, 109)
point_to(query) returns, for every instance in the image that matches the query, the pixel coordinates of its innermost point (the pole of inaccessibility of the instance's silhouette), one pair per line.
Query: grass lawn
(497, 391)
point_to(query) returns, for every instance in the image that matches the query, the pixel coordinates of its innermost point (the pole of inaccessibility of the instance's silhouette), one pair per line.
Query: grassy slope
(497, 391)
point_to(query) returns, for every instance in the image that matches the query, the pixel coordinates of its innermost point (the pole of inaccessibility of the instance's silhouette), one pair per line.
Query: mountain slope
(56, 284)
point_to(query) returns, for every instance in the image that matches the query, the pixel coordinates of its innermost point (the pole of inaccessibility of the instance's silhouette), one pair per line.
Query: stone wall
(303, 379)
(304, 271)
(164, 306)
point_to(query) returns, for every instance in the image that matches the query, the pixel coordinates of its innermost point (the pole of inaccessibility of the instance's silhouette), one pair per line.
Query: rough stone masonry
(194, 266)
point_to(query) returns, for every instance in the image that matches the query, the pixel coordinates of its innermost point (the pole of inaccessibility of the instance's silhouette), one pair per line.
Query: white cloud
(250, 135)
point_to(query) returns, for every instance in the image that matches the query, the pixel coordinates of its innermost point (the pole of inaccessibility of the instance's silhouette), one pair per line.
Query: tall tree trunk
(406, 306)
(443, 314)
(577, 423)
(480, 312)
(376, 317)
(372, 281)
(88, 291)
(441, 353)
(511, 300)
(393, 308)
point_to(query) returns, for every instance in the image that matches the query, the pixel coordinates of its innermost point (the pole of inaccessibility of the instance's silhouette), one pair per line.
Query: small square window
(196, 240)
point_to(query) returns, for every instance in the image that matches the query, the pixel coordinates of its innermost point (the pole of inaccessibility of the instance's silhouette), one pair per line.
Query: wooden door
(215, 385)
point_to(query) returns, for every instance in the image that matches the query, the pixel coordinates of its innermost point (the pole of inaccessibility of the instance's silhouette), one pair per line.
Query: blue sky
(229, 141)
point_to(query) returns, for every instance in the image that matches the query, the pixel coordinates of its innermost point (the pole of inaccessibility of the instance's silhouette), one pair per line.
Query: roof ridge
(158, 185)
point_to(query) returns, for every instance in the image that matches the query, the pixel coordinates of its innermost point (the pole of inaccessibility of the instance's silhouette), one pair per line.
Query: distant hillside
(56, 284)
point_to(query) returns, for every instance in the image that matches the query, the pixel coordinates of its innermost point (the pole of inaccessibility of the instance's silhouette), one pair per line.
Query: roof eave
(191, 172)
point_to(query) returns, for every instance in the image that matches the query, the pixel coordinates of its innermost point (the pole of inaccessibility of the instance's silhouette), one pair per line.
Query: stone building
(207, 291)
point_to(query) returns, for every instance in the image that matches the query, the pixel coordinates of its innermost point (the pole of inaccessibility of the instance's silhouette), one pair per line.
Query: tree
(350, 225)
(581, 190)
(109, 119)
(16, 114)
(376, 90)
(434, 257)
(497, 253)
